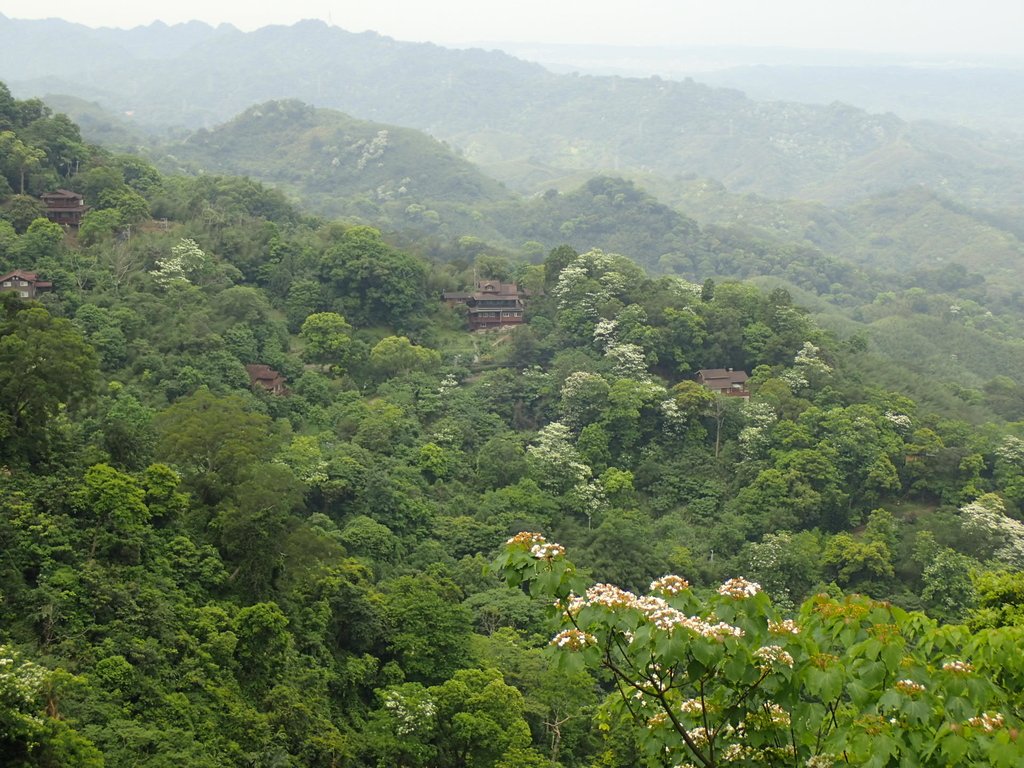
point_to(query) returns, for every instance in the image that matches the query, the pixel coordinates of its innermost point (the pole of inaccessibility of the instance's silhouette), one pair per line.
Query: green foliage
(327, 339)
(396, 354)
(213, 440)
(428, 632)
(45, 365)
(372, 283)
(302, 559)
(726, 679)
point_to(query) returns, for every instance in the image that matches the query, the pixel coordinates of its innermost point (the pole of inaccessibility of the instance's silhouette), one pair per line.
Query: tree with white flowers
(725, 678)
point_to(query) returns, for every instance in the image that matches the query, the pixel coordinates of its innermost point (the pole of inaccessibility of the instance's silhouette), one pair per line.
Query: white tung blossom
(372, 150)
(809, 358)
(628, 361)
(901, 421)
(1011, 451)
(573, 640)
(739, 588)
(987, 721)
(604, 332)
(773, 655)
(909, 687)
(186, 259)
(410, 715)
(987, 516)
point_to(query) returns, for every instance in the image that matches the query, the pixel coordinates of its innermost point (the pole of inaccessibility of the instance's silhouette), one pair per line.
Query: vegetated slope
(325, 157)
(99, 125)
(519, 118)
(403, 181)
(903, 231)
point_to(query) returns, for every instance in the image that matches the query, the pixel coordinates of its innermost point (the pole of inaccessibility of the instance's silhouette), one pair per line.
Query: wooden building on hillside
(64, 207)
(266, 378)
(491, 304)
(724, 381)
(24, 283)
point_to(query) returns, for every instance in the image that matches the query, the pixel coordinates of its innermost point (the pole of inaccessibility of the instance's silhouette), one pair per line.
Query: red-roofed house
(267, 378)
(26, 284)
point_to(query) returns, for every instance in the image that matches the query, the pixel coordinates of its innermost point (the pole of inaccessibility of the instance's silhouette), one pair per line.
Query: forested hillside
(200, 571)
(519, 122)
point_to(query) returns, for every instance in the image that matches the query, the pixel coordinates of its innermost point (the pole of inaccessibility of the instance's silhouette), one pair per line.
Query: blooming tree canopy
(725, 679)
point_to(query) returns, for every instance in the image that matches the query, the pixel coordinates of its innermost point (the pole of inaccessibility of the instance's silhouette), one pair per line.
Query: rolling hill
(521, 123)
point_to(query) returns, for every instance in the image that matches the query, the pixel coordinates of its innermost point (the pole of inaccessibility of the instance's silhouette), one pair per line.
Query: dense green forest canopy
(199, 571)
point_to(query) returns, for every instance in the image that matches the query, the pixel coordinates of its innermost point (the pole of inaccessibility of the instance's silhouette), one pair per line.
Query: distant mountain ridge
(518, 121)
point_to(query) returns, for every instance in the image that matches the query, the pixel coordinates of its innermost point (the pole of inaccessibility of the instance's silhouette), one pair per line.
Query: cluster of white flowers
(987, 515)
(736, 752)
(610, 596)
(410, 715)
(657, 719)
(525, 539)
(987, 721)
(739, 588)
(670, 584)
(557, 458)
(794, 379)
(20, 681)
(373, 149)
(684, 289)
(574, 280)
(1011, 451)
(691, 707)
(654, 610)
(909, 687)
(448, 383)
(759, 414)
(588, 497)
(784, 627)
(576, 384)
(604, 332)
(573, 639)
(613, 281)
(772, 655)
(775, 715)
(958, 667)
(628, 361)
(699, 736)
(824, 760)
(547, 551)
(186, 259)
(901, 421)
(672, 416)
(669, 619)
(809, 358)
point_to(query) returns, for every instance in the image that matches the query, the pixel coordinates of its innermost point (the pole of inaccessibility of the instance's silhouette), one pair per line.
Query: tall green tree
(45, 365)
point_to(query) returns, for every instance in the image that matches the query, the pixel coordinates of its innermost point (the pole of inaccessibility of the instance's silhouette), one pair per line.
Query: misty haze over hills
(518, 121)
(882, 190)
(983, 92)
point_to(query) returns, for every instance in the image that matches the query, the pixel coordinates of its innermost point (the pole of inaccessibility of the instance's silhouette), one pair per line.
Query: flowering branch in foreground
(723, 679)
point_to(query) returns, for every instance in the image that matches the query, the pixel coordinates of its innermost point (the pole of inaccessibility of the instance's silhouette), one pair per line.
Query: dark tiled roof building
(724, 381)
(265, 377)
(25, 284)
(492, 304)
(64, 207)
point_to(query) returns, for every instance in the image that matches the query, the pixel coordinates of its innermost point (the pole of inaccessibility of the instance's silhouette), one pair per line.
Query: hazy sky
(894, 26)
